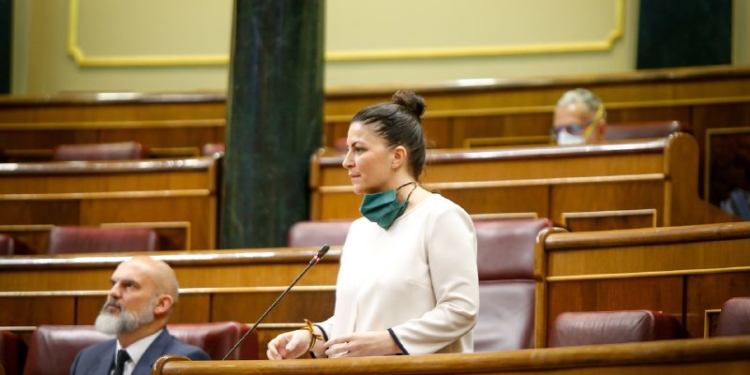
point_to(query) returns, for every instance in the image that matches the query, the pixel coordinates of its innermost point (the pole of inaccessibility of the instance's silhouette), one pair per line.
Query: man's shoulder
(98, 348)
(175, 346)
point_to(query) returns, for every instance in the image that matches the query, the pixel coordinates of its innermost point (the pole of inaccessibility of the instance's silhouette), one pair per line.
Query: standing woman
(408, 280)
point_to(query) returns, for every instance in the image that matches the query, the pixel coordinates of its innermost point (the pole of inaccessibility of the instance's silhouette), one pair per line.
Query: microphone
(315, 259)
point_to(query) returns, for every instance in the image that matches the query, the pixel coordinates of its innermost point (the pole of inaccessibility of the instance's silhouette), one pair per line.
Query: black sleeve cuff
(398, 342)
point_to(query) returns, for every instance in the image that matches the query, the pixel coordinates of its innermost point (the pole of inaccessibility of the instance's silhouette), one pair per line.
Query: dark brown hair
(400, 124)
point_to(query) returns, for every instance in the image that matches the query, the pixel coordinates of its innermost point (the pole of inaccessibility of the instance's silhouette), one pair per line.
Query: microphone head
(323, 250)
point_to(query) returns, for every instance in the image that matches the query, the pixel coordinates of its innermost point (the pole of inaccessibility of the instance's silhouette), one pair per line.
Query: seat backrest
(652, 129)
(612, 327)
(53, 349)
(218, 338)
(66, 240)
(11, 246)
(734, 319)
(12, 353)
(212, 148)
(505, 261)
(99, 151)
(318, 233)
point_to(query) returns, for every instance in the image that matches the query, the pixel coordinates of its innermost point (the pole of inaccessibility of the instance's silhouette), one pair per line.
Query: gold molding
(405, 54)
(707, 156)
(635, 275)
(81, 59)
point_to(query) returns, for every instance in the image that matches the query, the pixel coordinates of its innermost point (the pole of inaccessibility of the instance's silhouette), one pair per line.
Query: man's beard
(126, 321)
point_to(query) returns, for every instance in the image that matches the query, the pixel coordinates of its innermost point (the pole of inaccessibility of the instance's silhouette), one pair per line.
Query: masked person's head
(142, 295)
(580, 117)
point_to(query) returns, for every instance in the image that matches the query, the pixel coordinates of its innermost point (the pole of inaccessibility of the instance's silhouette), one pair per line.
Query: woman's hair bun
(410, 100)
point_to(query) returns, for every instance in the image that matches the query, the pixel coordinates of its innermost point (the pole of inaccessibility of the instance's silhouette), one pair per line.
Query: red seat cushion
(66, 240)
(505, 262)
(318, 233)
(99, 151)
(611, 327)
(734, 319)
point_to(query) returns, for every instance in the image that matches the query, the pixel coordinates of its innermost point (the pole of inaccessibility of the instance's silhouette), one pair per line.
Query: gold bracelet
(313, 337)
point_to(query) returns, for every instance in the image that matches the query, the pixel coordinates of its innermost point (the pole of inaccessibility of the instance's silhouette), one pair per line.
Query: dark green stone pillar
(274, 119)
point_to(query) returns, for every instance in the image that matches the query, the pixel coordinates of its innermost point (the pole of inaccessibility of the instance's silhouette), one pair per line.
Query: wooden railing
(652, 182)
(688, 272)
(729, 355)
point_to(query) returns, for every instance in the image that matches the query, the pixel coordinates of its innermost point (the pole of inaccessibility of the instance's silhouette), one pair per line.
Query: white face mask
(565, 138)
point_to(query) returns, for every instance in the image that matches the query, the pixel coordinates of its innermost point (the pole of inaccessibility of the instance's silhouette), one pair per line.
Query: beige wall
(185, 43)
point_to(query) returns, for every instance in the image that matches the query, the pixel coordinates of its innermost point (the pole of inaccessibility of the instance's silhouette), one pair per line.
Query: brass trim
(589, 214)
(109, 195)
(706, 320)
(183, 291)
(634, 275)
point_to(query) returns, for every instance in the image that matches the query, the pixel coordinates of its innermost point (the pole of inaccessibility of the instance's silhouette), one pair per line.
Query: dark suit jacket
(97, 359)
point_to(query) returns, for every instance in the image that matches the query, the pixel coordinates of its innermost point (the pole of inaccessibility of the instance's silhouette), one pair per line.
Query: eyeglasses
(579, 129)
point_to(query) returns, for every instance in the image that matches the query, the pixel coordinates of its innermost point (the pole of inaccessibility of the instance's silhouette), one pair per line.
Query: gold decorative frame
(707, 157)
(197, 60)
(709, 318)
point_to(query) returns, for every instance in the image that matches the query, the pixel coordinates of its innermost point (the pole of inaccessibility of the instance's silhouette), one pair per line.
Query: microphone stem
(313, 262)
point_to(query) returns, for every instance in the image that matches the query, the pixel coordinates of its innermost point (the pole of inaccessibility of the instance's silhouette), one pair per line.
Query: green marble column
(274, 119)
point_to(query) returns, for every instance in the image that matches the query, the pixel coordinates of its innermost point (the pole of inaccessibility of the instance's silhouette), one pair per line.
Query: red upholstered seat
(505, 261)
(318, 233)
(12, 353)
(611, 327)
(66, 240)
(212, 148)
(53, 348)
(99, 151)
(734, 319)
(652, 129)
(11, 246)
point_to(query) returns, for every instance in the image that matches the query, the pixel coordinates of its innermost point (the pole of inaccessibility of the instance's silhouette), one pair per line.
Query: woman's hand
(362, 344)
(289, 345)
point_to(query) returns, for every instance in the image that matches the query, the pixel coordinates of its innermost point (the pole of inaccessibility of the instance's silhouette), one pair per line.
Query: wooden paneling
(682, 271)
(235, 285)
(658, 175)
(168, 194)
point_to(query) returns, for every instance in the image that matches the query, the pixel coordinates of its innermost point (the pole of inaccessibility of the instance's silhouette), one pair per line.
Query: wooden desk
(687, 272)
(94, 193)
(551, 181)
(729, 355)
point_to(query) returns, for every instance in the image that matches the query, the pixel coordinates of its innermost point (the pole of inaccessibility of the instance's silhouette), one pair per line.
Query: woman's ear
(399, 157)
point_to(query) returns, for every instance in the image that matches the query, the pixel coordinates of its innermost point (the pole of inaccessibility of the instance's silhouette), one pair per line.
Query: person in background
(138, 307)
(407, 282)
(580, 117)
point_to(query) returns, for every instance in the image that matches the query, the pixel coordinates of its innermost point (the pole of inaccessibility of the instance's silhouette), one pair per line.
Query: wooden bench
(686, 271)
(163, 193)
(635, 184)
(214, 286)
